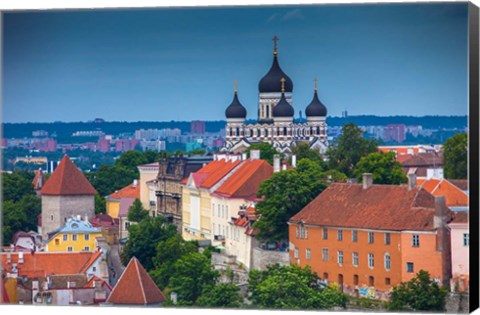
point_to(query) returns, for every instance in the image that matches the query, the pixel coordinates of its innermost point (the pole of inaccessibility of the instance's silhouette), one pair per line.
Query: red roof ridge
(91, 260)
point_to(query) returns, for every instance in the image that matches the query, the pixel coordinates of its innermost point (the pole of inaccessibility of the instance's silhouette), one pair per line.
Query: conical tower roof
(67, 180)
(271, 81)
(135, 287)
(236, 109)
(316, 108)
(283, 107)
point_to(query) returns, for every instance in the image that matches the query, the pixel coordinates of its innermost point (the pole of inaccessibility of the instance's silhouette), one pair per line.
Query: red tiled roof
(213, 172)
(37, 184)
(127, 192)
(460, 217)
(403, 157)
(40, 264)
(246, 180)
(103, 220)
(382, 207)
(135, 287)
(460, 183)
(454, 196)
(91, 283)
(424, 159)
(67, 180)
(92, 259)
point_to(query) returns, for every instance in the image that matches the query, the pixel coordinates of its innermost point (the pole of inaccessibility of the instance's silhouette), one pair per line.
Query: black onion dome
(235, 109)
(283, 108)
(316, 108)
(271, 81)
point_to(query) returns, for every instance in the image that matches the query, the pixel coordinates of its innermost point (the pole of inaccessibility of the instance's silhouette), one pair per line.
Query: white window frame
(466, 239)
(388, 262)
(371, 238)
(308, 254)
(69, 249)
(325, 254)
(74, 237)
(354, 236)
(295, 253)
(65, 237)
(340, 257)
(213, 210)
(325, 234)
(371, 260)
(387, 238)
(339, 235)
(87, 248)
(415, 240)
(87, 236)
(355, 259)
(410, 264)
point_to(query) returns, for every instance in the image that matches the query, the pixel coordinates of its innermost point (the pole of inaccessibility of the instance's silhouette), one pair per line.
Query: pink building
(197, 127)
(103, 145)
(395, 133)
(123, 145)
(460, 248)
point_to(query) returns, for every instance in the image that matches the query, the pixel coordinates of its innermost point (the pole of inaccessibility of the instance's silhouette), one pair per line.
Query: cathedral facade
(275, 123)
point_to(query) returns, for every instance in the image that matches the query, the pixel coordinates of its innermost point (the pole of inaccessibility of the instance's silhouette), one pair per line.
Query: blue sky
(179, 64)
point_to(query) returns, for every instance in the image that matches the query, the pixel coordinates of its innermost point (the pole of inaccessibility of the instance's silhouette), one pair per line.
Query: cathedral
(275, 123)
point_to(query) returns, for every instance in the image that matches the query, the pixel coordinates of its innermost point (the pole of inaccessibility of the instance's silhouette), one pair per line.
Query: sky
(180, 64)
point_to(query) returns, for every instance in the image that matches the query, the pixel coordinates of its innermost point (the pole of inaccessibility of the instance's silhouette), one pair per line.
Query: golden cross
(283, 84)
(235, 86)
(316, 82)
(275, 40)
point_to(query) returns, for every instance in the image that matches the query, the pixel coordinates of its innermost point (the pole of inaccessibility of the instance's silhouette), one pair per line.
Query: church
(275, 123)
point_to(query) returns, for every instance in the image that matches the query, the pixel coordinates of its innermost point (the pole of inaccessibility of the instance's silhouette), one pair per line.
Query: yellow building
(113, 201)
(148, 185)
(196, 198)
(75, 236)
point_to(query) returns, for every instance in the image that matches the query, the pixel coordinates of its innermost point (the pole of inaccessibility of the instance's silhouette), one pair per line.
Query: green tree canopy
(100, 204)
(193, 276)
(222, 295)
(167, 253)
(347, 150)
(455, 157)
(131, 159)
(384, 167)
(286, 193)
(419, 294)
(107, 179)
(267, 151)
(137, 212)
(15, 185)
(291, 287)
(143, 238)
(303, 151)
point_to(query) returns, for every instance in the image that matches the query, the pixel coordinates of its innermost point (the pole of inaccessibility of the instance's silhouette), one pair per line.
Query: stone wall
(457, 303)
(262, 258)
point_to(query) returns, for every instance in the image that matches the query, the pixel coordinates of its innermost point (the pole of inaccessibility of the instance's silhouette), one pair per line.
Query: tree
(193, 275)
(267, 151)
(222, 295)
(419, 294)
(455, 156)
(347, 150)
(150, 157)
(143, 238)
(15, 185)
(384, 167)
(291, 287)
(303, 151)
(108, 179)
(286, 193)
(167, 253)
(137, 212)
(100, 204)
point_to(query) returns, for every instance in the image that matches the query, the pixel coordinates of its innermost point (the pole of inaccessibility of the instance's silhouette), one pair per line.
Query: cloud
(273, 17)
(293, 15)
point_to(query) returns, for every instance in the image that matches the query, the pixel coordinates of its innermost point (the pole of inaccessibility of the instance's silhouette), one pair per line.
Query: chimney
(367, 180)
(20, 258)
(443, 236)
(294, 161)
(412, 181)
(276, 163)
(244, 156)
(135, 182)
(254, 154)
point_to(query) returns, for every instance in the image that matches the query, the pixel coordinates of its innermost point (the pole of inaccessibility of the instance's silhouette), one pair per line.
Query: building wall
(113, 207)
(64, 207)
(262, 258)
(335, 271)
(146, 174)
(205, 225)
(57, 244)
(222, 211)
(460, 253)
(425, 256)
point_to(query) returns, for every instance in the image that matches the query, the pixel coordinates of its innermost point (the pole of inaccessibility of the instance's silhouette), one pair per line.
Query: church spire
(275, 40)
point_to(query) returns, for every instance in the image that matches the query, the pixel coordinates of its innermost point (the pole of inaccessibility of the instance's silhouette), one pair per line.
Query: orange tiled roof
(91, 283)
(67, 180)
(135, 287)
(210, 174)
(40, 264)
(454, 196)
(39, 179)
(246, 180)
(127, 192)
(381, 207)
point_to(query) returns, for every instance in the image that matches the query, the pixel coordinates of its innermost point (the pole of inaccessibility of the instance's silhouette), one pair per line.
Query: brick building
(368, 238)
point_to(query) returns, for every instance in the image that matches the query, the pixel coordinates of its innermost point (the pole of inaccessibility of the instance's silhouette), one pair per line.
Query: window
(340, 235)
(302, 231)
(94, 269)
(370, 237)
(213, 228)
(57, 242)
(354, 236)
(87, 248)
(296, 231)
(295, 253)
(387, 261)
(306, 232)
(325, 233)
(218, 211)
(213, 209)
(226, 212)
(325, 276)
(409, 267)
(65, 237)
(340, 257)
(325, 254)
(355, 279)
(355, 259)
(70, 248)
(87, 237)
(371, 260)
(371, 281)
(51, 217)
(387, 238)
(308, 254)
(74, 237)
(466, 239)
(127, 224)
(387, 281)
(415, 240)
(223, 211)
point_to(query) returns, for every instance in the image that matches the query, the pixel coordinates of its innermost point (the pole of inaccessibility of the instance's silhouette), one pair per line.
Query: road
(115, 266)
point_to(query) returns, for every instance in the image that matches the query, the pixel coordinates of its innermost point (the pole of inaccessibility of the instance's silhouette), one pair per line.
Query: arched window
(284, 131)
(268, 111)
(258, 132)
(318, 130)
(251, 132)
(266, 132)
(238, 131)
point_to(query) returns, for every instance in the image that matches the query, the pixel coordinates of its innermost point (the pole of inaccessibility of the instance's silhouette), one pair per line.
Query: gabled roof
(246, 180)
(40, 264)
(135, 287)
(380, 207)
(454, 196)
(424, 159)
(67, 180)
(460, 218)
(91, 283)
(213, 172)
(129, 191)
(103, 220)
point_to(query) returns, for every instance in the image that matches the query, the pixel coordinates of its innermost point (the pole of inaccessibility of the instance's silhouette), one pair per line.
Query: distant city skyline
(180, 64)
